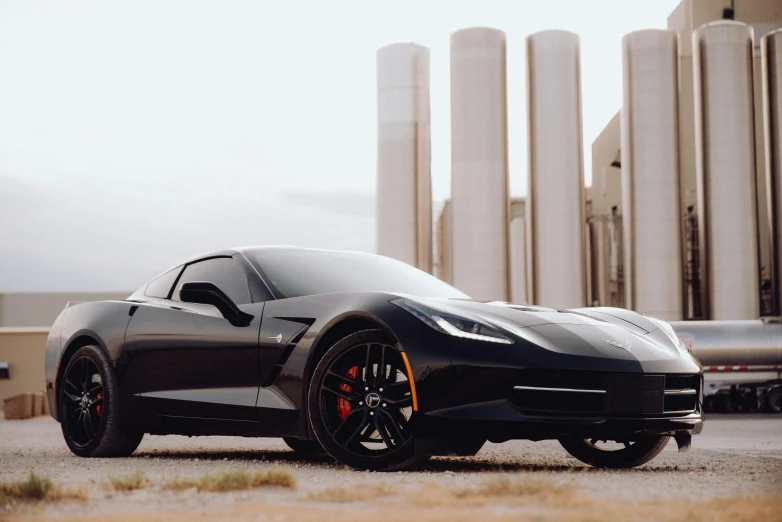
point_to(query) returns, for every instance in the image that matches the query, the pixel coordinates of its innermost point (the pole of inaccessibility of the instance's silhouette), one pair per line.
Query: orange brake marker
(412, 382)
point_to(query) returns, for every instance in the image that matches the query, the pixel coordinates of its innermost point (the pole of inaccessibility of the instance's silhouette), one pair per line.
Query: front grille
(674, 382)
(682, 392)
(563, 402)
(604, 393)
(577, 379)
(676, 403)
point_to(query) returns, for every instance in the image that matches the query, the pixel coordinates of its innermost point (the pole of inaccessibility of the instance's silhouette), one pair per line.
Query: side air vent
(285, 353)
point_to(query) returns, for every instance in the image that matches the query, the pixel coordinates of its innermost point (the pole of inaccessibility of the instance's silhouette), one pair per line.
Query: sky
(134, 135)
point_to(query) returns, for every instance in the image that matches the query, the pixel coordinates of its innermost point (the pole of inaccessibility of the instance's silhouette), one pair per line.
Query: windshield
(295, 273)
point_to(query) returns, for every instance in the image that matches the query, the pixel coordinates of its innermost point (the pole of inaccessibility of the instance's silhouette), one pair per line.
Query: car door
(186, 359)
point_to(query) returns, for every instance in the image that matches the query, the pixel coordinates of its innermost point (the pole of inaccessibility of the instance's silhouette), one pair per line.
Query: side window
(223, 272)
(161, 286)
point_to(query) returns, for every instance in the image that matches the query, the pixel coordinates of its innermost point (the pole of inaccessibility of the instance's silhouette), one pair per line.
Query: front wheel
(360, 403)
(615, 454)
(89, 407)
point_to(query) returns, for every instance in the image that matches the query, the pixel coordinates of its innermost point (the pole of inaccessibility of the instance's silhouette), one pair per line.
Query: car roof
(289, 248)
(265, 248)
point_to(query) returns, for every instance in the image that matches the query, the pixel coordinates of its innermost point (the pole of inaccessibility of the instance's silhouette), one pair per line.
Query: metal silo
(518, 261)
(404, 187)
(651, 202)
(771, 58)
(725, 169)
(555, 207)
(479, 163)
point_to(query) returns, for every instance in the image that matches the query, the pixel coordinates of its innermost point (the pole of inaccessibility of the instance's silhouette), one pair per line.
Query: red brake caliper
(99, 407)
(343, 406)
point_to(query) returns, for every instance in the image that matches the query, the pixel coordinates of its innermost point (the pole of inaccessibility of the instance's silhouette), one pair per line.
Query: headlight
(672, 335)
(452, 324)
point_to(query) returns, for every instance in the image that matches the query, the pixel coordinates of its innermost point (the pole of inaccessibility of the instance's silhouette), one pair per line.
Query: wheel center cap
(372, 400)
(84, 402)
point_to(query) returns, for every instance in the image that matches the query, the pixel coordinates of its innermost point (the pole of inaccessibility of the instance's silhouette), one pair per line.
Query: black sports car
(377, 363)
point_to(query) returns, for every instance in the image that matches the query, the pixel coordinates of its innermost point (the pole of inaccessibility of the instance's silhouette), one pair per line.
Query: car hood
(591, 332)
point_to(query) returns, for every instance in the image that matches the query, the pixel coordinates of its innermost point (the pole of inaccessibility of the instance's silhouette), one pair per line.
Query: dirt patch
(234, 479)
(744, 509)
(354, 494)
(37, 489)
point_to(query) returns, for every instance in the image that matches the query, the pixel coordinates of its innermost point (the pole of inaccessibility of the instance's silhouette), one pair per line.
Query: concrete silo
(725, 169)
(479, 163)
(771, 59)
(555, 207)
(651, 199)
(404, 186)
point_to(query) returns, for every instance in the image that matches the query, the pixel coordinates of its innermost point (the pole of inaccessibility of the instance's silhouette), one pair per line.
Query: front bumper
(499, 420)
(473, 390)
(498, 403)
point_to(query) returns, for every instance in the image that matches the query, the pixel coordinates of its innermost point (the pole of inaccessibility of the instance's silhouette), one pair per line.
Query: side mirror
(203, 292)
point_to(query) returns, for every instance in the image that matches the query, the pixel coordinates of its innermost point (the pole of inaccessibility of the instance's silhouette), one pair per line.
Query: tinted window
(161, 286)
(223, 272)
(308, 272)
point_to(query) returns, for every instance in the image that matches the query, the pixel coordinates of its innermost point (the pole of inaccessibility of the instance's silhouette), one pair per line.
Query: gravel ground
(734, 456)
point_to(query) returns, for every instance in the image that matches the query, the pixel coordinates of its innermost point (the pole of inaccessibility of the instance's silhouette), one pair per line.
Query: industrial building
(40, 309)
(25, 319)
(727, 268)
(700, 109)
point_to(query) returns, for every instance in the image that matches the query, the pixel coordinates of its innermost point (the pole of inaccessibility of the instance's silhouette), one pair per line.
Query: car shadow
(469, 465)
(228, 455)
(435, 465)
(454, 465)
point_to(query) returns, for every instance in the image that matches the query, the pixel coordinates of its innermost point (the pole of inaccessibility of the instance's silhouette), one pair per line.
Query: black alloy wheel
(89, 407)
(82, 401)
(360, 403)
(627, 453)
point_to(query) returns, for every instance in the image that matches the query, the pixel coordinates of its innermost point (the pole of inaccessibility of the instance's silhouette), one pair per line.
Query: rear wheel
(775, 401)
(615, 454)
(360, 403)
(305, 447)
(89, 408)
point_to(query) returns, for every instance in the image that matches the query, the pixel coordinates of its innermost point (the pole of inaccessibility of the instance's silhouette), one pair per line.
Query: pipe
(728, 343)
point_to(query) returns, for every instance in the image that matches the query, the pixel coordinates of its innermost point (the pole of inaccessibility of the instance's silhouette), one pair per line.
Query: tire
(636, 452)
(305, 447)
(91, 424)
(342, 414)
(774, 402)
